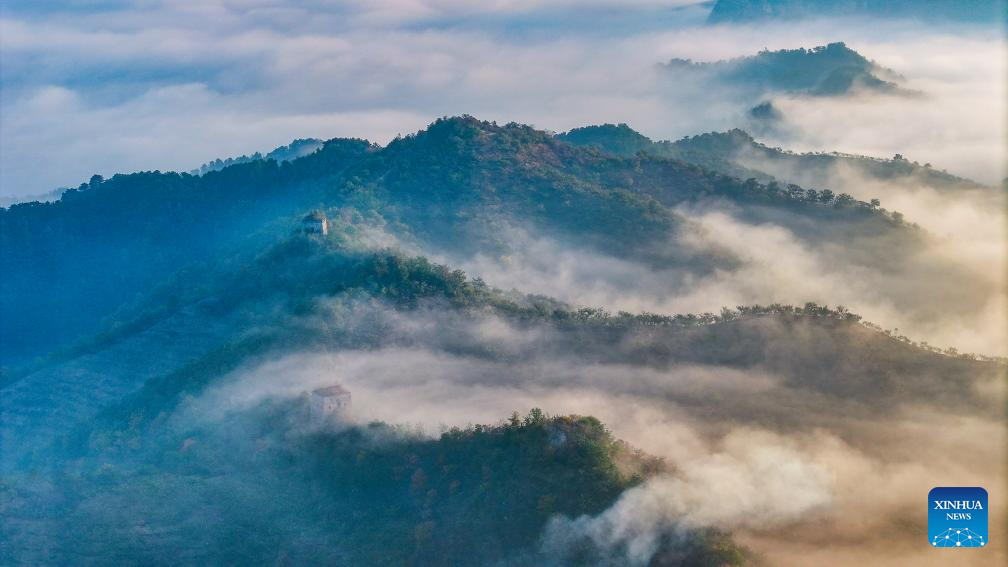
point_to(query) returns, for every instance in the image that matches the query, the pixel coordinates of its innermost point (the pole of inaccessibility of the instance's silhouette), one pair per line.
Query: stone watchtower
(315, 222)
(324, 403)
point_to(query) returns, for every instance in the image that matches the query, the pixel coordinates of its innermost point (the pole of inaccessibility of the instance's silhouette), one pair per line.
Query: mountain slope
(738, 154)
(310, 295)
(358, 495)
(125, 447)
(738, 148)
(72, 262)
(192, 416)
(451, 187)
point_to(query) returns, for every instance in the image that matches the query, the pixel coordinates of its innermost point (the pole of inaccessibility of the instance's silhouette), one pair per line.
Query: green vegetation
(277, 305)
(356, 495)
(478, 494)
(618, 139)
(727, 151)
(71, 263)
(137, 463)
(735, 153)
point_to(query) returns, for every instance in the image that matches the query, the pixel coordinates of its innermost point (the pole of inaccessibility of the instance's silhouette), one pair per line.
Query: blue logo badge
(957, 517)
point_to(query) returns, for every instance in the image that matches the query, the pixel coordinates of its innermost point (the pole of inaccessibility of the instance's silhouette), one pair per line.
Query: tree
(535, 417)
(514, 420)
(843, 200)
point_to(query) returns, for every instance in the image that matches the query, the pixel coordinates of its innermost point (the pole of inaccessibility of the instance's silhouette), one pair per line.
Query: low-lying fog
(798, 475)
(950, 292)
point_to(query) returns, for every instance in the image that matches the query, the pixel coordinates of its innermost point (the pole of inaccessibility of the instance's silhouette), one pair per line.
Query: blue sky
(118, 86)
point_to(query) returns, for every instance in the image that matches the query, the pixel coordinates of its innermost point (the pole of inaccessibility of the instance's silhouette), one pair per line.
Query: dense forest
(451, 186)
(370, 494)
(266, 304)
(703, 283)
(377, 494)
(163, 331)
(738, 154)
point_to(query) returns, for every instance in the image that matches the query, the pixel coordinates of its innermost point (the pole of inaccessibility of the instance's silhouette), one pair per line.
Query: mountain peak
(718, 141)
(618, 139)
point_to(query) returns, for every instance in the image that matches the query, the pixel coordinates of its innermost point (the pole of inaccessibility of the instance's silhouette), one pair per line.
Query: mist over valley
(428, 283)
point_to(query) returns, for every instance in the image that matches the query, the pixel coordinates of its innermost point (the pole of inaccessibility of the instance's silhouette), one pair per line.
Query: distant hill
(738, 148)
(765, 112)
(828, 70)
(738, 154)
(989, 11)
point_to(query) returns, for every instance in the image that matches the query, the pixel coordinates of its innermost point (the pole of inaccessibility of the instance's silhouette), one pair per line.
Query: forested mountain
(364, 495)
(283, 301)
(72, 262)
(143, 431)
(827, 70)
(928, 10)
(725, 319)
(738, 147)
(451, 186)
(164, 333)
(737, 153)
(354, 494)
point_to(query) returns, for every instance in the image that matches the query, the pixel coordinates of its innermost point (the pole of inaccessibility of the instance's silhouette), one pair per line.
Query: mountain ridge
(450, 185)
(720, 151)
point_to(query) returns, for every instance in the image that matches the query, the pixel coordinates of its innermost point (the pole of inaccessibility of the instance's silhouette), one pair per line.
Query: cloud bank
(171, 85)
(790, 472)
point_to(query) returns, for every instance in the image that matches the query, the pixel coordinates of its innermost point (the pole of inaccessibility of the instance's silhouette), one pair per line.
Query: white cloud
(263, 73)
(829, 488)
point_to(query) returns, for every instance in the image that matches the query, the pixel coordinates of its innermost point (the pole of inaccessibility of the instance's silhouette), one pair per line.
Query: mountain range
(451, 187)
(161, 328)
(738, 154)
